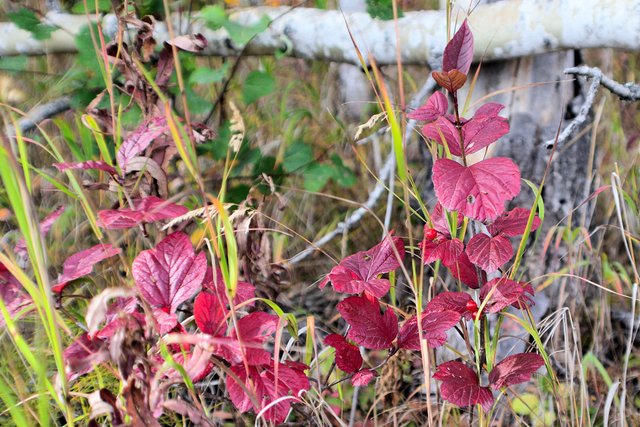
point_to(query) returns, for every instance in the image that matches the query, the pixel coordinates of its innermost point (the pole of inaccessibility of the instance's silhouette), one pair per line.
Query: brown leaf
(451, 80)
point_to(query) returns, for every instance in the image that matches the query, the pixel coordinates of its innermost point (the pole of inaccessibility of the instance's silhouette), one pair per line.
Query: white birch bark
(502, 30)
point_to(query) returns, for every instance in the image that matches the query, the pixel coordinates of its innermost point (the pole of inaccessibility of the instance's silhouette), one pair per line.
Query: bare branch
(39, 114)
(626, 92)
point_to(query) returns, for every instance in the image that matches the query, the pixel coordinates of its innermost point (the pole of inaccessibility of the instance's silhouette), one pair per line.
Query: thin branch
(39, 114)
(626, 92)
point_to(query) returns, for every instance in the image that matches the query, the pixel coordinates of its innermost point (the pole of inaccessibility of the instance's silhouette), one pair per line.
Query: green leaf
(296, 156)
(241, 35)
(316, 176)
(382, 9)
(215, 16)
(206, 75)
(257, 85)
(27, 20)
(13, 64)
(343, 176)
(525, 404)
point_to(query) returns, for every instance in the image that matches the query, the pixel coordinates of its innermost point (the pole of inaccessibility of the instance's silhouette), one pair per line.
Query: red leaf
(209, 313)
(244, 290)
(462, 269)
(451, 80)
(513, 223)
(489, 109)
(369, 328)
(254, 329)
(458, 54)
(363, 378)
(169, 274)
(489, 253)
(11, 293)
(461, 387)
(81, 263)
(149, 209)
(358, 272)
(435, 326)
(505, 292)
(435, 107)
(515, 369)
(478, 191)
(440, 222)
(443, 249)
(87, 165)
(526, 300)
(45, 226)
(140, 139)
(83, 355)
(348, 356)
(261, 382)
(479, 132)
(449, 301)
(443, 128)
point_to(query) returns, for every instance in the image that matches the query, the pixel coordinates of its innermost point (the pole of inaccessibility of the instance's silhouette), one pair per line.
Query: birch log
(502, 30)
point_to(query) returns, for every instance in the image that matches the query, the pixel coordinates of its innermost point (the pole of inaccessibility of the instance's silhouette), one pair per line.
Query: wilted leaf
(189, 42)
(140, 139)
(369, 328)
(478, 191)
(450, 80)
(88, 165)
(461, 387)
(45, 226)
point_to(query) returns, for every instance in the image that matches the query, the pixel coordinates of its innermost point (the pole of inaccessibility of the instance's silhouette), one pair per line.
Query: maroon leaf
(360, 271)
(480, 132)
(458, 54)
(244, 290)
(253, 330)
(435, 107)
(435, 326)
(461, 387)
(501, 292)
(11, 293)
(81, 263)
(83, 355)
(89, 164)
(263, 385)
(45, 226)
(513, 223)
(515, 369)
(451, 80)
(440, 222)
(369, 328)
(348, 356)
(441, 129)
(363, 378)
(140, 139)
(210, 314)
(149, 209)
(462, 269)
(449, 301)
(169, 274)
(478, 191)
(526, 300)
(489, 253)
(443, 249)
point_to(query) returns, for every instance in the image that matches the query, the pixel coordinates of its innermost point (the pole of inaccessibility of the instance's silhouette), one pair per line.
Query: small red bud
(430, 233)
(471, 306)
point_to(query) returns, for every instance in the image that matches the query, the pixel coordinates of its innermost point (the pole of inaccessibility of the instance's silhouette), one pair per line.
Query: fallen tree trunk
(502, 30)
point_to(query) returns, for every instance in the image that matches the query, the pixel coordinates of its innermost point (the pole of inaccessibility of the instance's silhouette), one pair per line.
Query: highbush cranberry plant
(188, 318)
